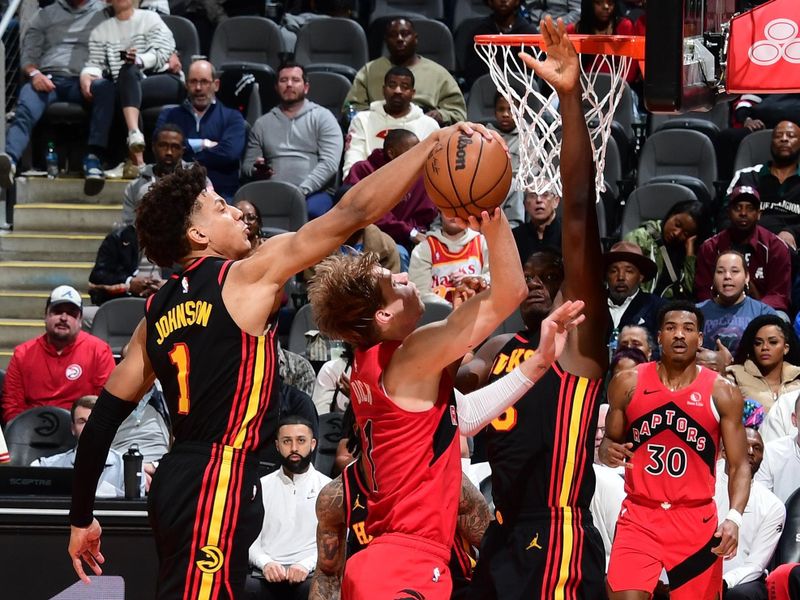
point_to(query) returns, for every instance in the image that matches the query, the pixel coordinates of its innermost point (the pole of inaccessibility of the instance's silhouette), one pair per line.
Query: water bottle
(132, 461)
(52, 161)
(613, 343)
(350, 113)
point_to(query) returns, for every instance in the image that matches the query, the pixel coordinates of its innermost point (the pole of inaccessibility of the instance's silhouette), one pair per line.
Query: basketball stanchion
(536, 113)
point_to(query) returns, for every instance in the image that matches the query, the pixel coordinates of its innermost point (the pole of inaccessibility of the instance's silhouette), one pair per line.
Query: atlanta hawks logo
(73, 372)
(213, 561)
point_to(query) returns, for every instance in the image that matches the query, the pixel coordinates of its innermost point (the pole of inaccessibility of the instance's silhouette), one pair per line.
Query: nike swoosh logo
(708, 519)
(648, 392)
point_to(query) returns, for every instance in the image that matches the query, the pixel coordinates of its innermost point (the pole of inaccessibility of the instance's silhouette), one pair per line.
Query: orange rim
(617, 45)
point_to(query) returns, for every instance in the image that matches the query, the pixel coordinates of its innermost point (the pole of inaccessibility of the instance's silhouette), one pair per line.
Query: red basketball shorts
(678, 539)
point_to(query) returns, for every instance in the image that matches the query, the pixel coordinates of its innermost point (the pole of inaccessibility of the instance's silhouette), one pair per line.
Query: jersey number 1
(179, 356)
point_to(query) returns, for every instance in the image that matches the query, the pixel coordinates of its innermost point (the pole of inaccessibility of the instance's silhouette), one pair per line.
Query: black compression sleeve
(90, 460)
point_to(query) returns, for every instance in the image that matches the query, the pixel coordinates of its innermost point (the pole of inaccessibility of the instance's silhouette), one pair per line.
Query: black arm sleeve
(90, 459)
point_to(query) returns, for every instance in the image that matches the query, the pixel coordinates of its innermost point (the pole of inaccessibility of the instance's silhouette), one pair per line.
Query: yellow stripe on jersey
(217, 515)
(254, 400)
(566, 554)
(578, 398)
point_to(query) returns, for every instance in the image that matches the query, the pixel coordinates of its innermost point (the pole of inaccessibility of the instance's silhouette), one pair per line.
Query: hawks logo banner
(764, 49)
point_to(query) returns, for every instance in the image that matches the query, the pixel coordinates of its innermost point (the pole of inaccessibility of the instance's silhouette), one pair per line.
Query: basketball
(465, 175)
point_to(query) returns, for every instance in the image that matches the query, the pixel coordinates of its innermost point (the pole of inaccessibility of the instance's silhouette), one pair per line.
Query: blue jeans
(32, 104)
(318, 203)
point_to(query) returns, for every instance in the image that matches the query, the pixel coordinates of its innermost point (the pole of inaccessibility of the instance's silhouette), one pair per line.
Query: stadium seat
(707, 128)
(303, 321)
(187, 42)
(652, 201)
(434, 311)
(679, 156)
(67, 125)
(337, 45)
(330, 432)
(788, 549)
(480, 103)
(241, 83)
(430, 9)
(247, 39)
(612, 170)
(755, 149)
(116, 321)
(469, 9)
(282, 205)
(37, 432)
(719, 116)
(328, 90)
(463, 41)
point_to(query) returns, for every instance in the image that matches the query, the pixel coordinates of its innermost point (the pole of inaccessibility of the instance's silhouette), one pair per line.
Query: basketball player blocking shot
(664, 425)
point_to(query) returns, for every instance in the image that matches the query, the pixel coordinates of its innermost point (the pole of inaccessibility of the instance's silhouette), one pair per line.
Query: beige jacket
(753, 385)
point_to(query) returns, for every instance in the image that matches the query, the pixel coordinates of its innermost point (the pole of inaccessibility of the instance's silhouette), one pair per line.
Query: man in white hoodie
(449, 257)
(396, 111)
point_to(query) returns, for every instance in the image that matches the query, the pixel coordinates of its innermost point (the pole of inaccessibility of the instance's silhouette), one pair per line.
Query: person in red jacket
(59, 366)
(768, 259)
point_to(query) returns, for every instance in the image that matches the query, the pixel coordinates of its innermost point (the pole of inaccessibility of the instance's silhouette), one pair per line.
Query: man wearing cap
(59, 366)
(626, 269)
(768, 259)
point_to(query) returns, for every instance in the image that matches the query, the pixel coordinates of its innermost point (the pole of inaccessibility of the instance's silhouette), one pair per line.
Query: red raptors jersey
(445, 264)
(413, 459)
(675, 438)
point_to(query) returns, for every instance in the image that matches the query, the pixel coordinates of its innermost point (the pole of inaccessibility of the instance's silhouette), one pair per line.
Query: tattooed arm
(327, 578)
(473, 513)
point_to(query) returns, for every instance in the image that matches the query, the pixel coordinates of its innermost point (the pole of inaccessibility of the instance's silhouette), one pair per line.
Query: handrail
(8, 15)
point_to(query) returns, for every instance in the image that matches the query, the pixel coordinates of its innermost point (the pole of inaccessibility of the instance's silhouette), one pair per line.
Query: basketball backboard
(683, 47)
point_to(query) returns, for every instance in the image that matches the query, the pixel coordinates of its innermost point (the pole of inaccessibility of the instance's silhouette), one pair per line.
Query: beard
(296, 466)
(786, 161)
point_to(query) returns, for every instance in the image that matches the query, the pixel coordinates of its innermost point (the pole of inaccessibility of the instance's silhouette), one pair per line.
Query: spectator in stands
(753, 113)
(252, 218)
(60, 365)
(568, 10)
(408, 221)
(609, 491)
(214, 134)
(505, 19)
(767, 362)
(116, 272)
(298, 142)
(435, 89)
(780, 420)
(626, 269)
(133, 48)
(296, 370)
(168, 141)
(730, 309)
(53, 51)
(677, 234)
(332, 387)
(780, 471)
(504, 125)
(762, 523)
(636, 336)
(286, 551)
(112, 481)
(778, 184)
(292, 23)
(368, 128)
(452, 255)
(768, 261)
(543, 229)
(602, 17)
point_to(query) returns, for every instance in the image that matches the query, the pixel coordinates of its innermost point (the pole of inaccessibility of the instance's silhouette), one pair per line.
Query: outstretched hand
(84, 545)
(556, 327)
(488, 224)
(561, 69)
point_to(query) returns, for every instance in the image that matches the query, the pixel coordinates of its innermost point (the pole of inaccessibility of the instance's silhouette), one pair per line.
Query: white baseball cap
(65, 293)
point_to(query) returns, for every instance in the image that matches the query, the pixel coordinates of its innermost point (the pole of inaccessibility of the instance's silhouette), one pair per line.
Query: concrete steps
(44, 275)
(15, 331)
(66, 217)
(48, 246)
(26, 304)
(66, 189)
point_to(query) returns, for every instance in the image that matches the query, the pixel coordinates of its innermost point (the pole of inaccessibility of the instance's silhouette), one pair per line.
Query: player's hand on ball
(296, 574)
(84, 546)
(274, 572)
(561, 69)
(488, 224)
(469, 128)
(616, 455)
(728, 534)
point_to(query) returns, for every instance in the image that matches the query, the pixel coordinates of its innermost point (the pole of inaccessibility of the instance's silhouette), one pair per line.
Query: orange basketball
(466, 175)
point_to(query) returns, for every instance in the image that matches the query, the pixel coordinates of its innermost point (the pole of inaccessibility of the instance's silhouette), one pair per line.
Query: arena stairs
(57, 231)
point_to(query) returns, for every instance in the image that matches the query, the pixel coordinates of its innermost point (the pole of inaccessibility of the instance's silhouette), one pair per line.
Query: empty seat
(755, 149)
(241, 83)
(480, 104)
(116, 321)
(469, 9)
(652, 201)
(328, 90)
(303, 321)
(187, 43)
(37, 432)
(247, 39)
(703, 126)
(336, 44)
(330, 432)
(282, 205)
(719, 115)
(430, 9)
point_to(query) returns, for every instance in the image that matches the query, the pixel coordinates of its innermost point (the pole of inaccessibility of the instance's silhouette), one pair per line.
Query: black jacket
(117, 259)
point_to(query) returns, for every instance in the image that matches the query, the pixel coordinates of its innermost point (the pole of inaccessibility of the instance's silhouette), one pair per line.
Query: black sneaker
(94, 176)
(8, 169)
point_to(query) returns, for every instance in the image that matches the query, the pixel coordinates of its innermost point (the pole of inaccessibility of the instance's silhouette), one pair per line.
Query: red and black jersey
(541, 449)
(675, 437)
(412, 460)
(219, 382)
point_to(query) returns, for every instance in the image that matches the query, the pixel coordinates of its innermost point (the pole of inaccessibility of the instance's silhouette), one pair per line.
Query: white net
(536, 113)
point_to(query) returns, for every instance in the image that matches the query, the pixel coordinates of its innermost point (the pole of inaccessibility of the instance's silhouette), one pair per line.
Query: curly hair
(345, 295)
(746, 344)
(165, 212)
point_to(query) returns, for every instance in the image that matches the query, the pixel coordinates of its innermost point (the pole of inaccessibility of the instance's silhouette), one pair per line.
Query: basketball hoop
(536, 113)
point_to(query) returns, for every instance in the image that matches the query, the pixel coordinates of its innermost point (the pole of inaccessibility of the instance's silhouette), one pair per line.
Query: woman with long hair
(767, 362)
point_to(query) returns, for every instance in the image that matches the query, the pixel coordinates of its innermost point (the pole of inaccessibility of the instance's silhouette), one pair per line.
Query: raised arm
(327, 578)
(473, 513)
(729, 402)
(614, 452)
(585, 354)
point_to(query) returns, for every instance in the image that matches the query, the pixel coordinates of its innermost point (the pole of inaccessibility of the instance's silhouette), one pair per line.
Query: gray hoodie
(304, 150)
(57, 40)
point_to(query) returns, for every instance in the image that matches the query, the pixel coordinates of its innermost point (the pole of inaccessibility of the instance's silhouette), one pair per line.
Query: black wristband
(90, 459)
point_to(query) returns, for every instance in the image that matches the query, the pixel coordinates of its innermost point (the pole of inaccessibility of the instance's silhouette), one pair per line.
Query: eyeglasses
(201, 82)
